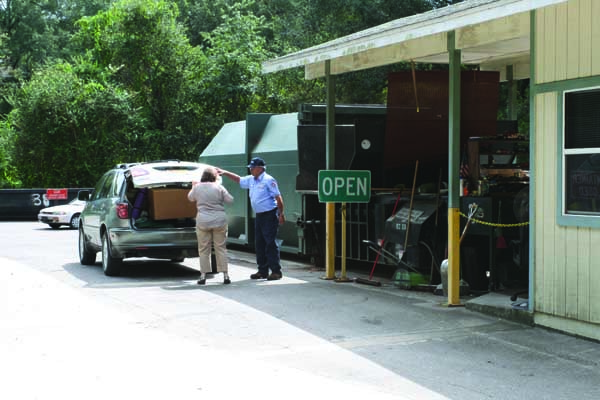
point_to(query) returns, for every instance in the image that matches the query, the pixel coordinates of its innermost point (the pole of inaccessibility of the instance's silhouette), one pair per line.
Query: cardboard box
(170, 204)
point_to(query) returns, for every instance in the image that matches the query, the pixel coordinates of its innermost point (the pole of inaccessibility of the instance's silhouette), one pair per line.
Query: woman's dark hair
(209, 175)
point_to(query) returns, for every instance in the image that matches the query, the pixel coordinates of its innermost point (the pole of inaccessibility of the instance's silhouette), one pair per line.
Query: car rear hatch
(158, 194)
(171, 173)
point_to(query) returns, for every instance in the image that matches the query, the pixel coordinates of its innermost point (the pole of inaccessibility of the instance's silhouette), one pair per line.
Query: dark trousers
(267, 249)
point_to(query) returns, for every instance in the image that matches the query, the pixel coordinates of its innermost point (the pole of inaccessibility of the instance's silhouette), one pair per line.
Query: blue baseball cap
(256, 162)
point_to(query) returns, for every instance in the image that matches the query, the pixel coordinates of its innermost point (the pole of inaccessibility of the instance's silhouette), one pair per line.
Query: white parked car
(65, 214)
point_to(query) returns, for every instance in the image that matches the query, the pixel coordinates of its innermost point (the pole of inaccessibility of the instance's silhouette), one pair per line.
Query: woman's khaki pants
(212, 237)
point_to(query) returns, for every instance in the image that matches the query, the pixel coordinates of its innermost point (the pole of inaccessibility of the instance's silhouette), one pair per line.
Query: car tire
(86, 257)
(74, 223)
(111, 265)
(54, 226)
(178, 260)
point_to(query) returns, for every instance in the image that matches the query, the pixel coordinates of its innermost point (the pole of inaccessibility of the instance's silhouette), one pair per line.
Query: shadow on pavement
(135, 272)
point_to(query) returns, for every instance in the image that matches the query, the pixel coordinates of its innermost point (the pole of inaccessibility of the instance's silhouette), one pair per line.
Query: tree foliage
(70, 128)
(95, 82)
(37, 31)
(8, 171)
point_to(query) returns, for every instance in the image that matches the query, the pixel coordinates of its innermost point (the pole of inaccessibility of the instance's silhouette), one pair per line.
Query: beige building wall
(566, 259)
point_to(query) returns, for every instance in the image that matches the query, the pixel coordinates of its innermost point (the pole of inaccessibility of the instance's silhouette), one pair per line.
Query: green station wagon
(140, 210)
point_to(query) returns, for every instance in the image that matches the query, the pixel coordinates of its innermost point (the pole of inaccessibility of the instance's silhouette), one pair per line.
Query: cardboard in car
(166, 203)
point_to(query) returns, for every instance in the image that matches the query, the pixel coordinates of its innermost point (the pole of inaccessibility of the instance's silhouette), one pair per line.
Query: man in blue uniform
(267, 203)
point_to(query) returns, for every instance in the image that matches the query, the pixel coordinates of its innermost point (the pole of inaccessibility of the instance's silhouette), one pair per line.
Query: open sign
(345, 186)
(56, 194)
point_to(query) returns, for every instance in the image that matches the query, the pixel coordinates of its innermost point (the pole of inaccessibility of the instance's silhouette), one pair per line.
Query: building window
(581, 153)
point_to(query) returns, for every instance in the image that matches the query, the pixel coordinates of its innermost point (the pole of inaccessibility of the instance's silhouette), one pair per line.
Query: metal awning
(489, 33)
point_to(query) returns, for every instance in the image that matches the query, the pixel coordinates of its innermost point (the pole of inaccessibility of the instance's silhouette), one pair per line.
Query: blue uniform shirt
(263, 191)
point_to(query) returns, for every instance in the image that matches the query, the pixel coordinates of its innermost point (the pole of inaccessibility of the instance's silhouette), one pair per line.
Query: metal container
(272, 137)
(294, 148)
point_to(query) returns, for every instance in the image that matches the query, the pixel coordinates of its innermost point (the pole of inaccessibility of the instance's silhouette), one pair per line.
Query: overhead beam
(520, 67)
(506, 37)
(481, 56)
(490, 32)
(399, 52)
(450, 18)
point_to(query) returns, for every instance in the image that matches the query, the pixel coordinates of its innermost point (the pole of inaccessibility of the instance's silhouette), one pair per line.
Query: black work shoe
(258, 275)
(274, 276)
(226, 281)
(202, 281)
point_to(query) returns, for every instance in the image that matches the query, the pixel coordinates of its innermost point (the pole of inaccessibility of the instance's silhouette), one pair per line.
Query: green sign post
(344, 186)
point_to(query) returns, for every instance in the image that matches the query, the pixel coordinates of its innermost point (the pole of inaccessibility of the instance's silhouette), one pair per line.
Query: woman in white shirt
(211, 222)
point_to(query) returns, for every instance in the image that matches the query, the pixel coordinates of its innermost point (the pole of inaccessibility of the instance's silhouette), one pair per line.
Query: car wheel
(74, 224)
(86, 257)
(111, 265)
(54, 226)
(177, 260)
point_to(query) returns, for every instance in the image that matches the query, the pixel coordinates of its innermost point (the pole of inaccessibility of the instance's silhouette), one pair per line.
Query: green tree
(68, 129)
(151, 56)
(8, 171)
(235, 51)
(37, 31)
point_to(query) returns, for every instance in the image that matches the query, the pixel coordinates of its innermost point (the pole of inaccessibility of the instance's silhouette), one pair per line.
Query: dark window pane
(99, 186)
(105, 191)
(582, 119)
(583, 184)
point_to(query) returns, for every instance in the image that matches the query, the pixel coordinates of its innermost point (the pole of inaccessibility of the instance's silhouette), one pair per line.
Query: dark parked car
(140, 210)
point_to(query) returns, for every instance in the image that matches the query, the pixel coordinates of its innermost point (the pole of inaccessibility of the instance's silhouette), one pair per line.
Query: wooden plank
(595, 13)
(585, 37)
(540, 26)
(561, 43)
(514, 26)
(572, 39)
(550, 230)
(583, 276)
(548, 46)
(540, 270)
(594, 276)
(557, 241)
(567, 272)
(555, 245)
(521, 68)
(404, 51)
(556, 235)
(574, 327)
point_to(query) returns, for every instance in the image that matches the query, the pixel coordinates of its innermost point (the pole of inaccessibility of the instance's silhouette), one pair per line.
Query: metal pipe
(453, 172)
(330, 164)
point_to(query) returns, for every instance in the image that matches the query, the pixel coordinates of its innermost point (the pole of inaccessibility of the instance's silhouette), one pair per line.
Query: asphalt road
(153, 331)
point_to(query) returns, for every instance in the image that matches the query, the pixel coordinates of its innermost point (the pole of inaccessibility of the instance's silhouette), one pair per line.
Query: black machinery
(414, 240)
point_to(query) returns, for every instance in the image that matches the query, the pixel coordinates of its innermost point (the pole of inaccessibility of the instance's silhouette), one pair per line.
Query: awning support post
(453, 172)
(330, 164)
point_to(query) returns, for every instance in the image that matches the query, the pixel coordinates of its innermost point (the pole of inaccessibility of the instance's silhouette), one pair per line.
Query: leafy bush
(71, 129)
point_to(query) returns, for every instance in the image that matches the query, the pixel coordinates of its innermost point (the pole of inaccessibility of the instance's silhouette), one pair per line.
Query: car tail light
(123, 210)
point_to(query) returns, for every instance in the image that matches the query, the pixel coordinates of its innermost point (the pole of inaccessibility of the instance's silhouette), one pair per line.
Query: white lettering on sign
(363, 187)
(339, 184)
(327, 186)
(349, 186)
(344, 186)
